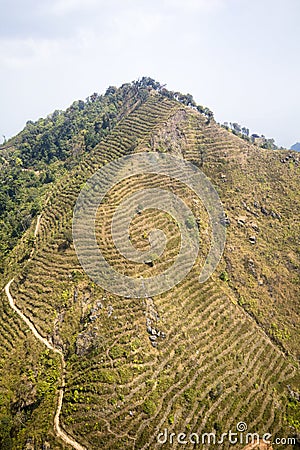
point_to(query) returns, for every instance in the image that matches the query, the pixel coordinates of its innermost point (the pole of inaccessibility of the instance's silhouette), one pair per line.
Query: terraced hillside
(199, 358)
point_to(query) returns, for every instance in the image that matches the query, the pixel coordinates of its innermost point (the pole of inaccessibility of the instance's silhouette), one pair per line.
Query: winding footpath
(57, 428)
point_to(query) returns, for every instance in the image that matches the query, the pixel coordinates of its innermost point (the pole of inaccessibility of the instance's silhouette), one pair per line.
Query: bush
(224, 276)
(149, 407)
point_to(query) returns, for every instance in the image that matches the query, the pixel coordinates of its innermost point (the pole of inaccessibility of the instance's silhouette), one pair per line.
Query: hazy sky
(241, 58)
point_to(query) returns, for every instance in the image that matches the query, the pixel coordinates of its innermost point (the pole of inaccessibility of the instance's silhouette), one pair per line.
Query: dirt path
(37, 227)
(57, 428)
(67, 439)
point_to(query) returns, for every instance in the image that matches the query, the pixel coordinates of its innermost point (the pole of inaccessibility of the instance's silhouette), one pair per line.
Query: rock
(255, 227)
(275, 215)
(295, 395)
(152, 338)
(154, 344)
(241, 220)
(84, 342)
(251, 267)
(75, 295)
(252, 239)
(225, 221)
(264, 211)
(149, 262)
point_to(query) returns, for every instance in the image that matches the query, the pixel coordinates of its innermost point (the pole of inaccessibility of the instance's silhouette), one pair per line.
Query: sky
(238, 57)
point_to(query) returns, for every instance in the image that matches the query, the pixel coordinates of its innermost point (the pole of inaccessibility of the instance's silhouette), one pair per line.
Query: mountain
(82, 367)
(296, 147)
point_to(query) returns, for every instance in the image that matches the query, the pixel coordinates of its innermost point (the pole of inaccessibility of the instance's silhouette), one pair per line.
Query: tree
(236, 127)
(245, 131)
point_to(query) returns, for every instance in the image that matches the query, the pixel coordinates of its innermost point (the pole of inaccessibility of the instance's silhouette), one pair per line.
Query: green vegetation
(244, 133)
(149, 407)
(224, 276)
(32, 161)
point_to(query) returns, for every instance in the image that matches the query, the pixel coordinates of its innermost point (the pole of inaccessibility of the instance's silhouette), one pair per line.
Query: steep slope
(227, 349)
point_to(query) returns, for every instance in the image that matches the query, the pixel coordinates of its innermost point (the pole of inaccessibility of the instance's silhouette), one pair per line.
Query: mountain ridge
(296, 147)
(234, 334)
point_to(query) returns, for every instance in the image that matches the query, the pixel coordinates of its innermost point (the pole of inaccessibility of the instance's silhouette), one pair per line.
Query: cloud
(63, 17)
(32, 19)
(195, 5)
(26, 53)
(63, 7)
(136, 24)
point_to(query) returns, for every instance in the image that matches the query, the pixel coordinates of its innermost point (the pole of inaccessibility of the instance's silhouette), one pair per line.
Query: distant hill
(296, 147)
